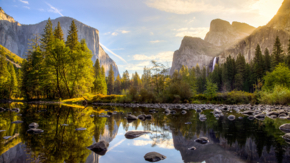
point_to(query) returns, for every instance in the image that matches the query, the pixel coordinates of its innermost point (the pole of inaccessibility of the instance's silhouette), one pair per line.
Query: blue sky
(141, 30)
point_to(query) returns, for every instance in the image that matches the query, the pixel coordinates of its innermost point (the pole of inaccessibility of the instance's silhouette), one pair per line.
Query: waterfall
(213, 63)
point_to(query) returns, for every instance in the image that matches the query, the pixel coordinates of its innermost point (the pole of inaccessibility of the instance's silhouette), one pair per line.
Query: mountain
(222, 35)
(12, 58)
(15, 37)
(265, 36)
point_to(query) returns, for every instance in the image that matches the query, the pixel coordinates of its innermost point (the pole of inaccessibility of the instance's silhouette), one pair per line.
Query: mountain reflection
(241, 140)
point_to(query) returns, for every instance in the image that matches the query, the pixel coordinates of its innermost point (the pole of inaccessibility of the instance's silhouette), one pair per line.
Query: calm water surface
(240, 140)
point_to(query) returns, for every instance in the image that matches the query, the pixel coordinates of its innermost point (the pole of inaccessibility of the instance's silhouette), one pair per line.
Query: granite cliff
(222, 35)
(15, 37)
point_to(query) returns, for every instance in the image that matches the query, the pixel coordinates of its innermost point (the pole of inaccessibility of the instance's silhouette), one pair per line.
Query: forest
(55, 69)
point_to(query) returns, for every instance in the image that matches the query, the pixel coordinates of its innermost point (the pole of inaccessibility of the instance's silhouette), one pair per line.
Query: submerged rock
(17, 110)
(34, 131)
(33, 125)
(148, 116)
(202, 140)
(259, 116)
(231, 117)
(6, 137)
(285, 127)
(251, 118)
(248, 112)
(135, 134)
(183, 112)
(167, 111)
(142, 117)
(17, 122)
(192, 148)
(286, 137)
(80, 129)
(154, 157)
(188, 123)
(100, 147)
(131, 117)
(202, 117)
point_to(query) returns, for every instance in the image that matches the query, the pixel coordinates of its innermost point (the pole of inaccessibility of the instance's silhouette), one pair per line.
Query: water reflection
(241, 140)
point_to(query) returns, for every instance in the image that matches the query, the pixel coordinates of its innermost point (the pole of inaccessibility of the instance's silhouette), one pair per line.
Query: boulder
(192, 148)
(259, 116)
(286, 137)
(131, 117)
(202, 140)
(17, 122)
(217, 111)
(142, 117)
(34, 131)
(183, 112)
(167, 111)
(248, 112)
(100, 147)
(154, 157)
(231, 117)
(202, 117)
(33, 125)
(285, 127)
(135, 134)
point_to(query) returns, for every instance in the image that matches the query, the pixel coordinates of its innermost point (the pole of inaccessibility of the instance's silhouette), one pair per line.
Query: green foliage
(278, 95)
(11, 56)
(211, 89)
(58, 34)
(235, 97)
(72, 38)
(278, 54)
(280, 76)
(111, 79)
(258, 64)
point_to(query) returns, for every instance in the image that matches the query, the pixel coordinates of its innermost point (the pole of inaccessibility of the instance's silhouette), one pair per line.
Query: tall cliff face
(264, 36)
(222, 35)
(15, 37)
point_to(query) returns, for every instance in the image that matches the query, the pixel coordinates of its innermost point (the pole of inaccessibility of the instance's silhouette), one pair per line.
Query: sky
(134, 32)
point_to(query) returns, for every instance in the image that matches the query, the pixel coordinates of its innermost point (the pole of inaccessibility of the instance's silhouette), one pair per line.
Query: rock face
(195, 51)
(14, 36)
(224, 34)
(264, 36)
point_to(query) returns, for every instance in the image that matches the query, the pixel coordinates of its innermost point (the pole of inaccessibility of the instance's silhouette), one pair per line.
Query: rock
(81, 129)
(202, 140)
(100, 147)
(259, 116)
(154, 157)
(286, 137)
(148, 116)
(17, 122)
(134, 134)
(198, 110)
(192, 148)
(251, 118)
(241, 118)
(202, 117)
(248, 112)
(64, 125)
(173, 112)
(285, 127)
(106, 116)
(167, 111)
(33, 125)
(6, 137)
(17, 110)
(109, 113)
(183, 112)
(217, 111)
(131, 117)
(142, 117)
(231, 117)
(283, 116)
(34, 131)
(188, 123)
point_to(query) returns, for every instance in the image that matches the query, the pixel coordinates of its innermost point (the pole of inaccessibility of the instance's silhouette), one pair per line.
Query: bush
(178, 92)
(280, 76)
(279, 95)
(146, 96)
(236, 97)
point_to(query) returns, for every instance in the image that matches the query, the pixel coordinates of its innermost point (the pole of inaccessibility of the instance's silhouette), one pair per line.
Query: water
(230, 141)
(213, 63)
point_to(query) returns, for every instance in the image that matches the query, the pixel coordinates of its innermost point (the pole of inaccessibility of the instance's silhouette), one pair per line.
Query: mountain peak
(281, 20)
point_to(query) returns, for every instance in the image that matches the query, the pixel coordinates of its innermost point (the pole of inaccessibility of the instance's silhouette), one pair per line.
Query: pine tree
(240, 72)
(97, 68)
(267, 61)
(258, 64)
(125, 80)
(278, 54)
(111, 80)
(47, 37)
(72, 38)
(58, 32)
(117, 85)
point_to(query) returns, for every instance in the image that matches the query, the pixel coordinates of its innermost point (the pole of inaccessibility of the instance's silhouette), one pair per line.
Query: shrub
(280, 76)
(146, 96)
(236, 97)
(178, 91)
(279, 95)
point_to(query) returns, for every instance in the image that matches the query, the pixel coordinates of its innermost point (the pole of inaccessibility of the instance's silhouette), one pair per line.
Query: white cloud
(113, 53)
(156, 41)
(193, 32)
(167, 144)
(26, 2)
(26, 7)
(53, 9)
(114, 34)
(160, 57)
(136, 66)
(124, 32)
(107, 33)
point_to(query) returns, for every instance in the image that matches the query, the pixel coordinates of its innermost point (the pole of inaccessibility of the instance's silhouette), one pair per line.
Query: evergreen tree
(117, 85)
(240, 72)
(97, 68)
(125, 80)
(47, 37)
(111, 80)
(258, 64)
(72, 38)
(278, 54)
(267, 61)
(216, 76)
(58, 32)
